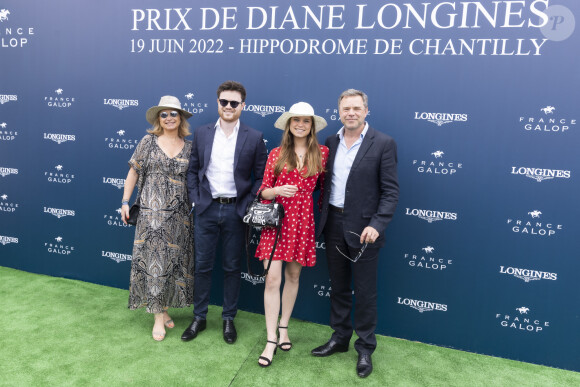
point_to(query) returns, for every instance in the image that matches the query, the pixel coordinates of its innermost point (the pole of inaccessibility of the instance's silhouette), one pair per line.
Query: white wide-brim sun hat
(166, 102)
(300, 109)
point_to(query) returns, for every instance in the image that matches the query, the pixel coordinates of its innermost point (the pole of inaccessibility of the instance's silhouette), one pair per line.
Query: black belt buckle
(225, 200)
(335, 209)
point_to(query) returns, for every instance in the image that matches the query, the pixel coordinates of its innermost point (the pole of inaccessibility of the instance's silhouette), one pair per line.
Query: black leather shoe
(329, 348)
(230, 334)
(364, 365)
(196, 326)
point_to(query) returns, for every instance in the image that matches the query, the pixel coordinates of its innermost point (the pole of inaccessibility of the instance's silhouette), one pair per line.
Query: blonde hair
(287, 156)
(182, 131)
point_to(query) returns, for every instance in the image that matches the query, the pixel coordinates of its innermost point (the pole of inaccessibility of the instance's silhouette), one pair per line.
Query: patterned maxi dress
(162, 266)
(296, 241)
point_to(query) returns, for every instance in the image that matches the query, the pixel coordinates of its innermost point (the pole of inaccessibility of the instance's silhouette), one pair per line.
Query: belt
(225, 200)
(335, 209)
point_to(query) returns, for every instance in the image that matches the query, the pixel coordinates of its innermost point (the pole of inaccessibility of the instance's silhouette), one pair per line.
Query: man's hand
(369, 235)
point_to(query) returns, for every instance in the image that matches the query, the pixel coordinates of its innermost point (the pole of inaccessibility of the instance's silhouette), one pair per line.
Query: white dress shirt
(342, 165)
(220, 171)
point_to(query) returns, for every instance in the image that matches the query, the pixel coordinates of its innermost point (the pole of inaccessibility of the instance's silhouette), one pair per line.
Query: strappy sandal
(286, 343)
(269, 361)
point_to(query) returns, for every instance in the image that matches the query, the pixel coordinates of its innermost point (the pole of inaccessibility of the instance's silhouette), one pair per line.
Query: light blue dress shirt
(342, 165)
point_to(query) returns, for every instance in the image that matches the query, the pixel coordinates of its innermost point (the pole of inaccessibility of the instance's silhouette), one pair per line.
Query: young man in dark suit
(360, 195)
(225, 171)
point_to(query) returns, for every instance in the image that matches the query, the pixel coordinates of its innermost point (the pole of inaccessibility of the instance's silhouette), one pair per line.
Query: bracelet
(124, 202)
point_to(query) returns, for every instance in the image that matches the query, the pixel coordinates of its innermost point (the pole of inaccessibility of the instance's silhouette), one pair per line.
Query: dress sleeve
(269, 177)
(139, 157)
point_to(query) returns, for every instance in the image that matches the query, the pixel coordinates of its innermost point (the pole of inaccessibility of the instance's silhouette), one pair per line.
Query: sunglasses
(233, 104)
(360, 253)
(172, 114)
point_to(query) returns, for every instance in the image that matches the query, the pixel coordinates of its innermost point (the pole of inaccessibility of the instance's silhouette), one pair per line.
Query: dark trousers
(218, 221)
(364, 276)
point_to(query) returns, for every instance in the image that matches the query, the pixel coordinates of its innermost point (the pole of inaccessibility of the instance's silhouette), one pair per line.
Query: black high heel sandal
(269, 361)
(286, 343)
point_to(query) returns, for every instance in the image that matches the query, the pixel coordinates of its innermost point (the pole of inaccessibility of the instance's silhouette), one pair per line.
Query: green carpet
(59, 332)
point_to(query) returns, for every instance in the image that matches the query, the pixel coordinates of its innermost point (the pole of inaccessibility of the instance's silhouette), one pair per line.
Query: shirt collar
(340, 132)
(236, 128)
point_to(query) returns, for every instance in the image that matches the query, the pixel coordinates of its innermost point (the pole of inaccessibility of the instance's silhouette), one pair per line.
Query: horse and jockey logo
(548, 109)
(523, 309)
(189, 95)
(428, 249)
(58, 91)
(4, 14)
(438, 154)
(535, 214)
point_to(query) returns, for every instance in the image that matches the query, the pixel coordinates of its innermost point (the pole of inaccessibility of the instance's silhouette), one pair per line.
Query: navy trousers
(218, 222)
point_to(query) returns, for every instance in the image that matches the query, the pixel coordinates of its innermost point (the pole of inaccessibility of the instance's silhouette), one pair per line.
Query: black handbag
(259, 215)
(134, 210)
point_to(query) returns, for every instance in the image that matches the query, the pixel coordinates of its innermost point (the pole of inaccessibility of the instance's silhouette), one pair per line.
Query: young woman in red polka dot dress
(292, 172)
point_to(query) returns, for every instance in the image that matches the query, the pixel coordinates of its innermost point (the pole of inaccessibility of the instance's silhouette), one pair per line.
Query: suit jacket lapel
(208, 146)
(364, 147)
(332, 148)
(242, 136)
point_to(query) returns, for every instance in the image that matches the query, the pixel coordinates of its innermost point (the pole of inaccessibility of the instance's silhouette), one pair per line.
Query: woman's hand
(125, 213)
(286, 191)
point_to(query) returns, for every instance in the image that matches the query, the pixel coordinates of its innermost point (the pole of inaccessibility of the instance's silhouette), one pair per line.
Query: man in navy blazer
(225, 171)
(359, 198)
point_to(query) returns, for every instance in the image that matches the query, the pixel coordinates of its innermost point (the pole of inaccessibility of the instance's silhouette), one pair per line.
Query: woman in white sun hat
(162, 264)
(291, 174)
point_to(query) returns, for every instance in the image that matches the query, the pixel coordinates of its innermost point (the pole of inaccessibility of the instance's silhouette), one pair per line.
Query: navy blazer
(249, 163)
(372, 188)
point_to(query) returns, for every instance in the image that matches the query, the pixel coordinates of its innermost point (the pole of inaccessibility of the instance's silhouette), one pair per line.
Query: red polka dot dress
(296, 241)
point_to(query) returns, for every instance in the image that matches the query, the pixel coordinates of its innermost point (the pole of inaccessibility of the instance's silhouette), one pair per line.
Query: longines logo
(59, 100)
(534, 225)
(541, 174)
(528, 275)
(115, 182)
(192, 106)
(4, 98)
(5, 205)
(253, 279)
(431, 215)
(59, 176)
(264, 110)
(521, 321)
(13, 36)
(58, 212)
(422, 306)
(547, 121)
(115, 220)
(436, 165)
(7, 135)
(121, 103)
(59, 247)
(8, 171)
(441, 118)
(59, 138)
(7, 239)
(426, 259)
(120, 142)
(117, 257)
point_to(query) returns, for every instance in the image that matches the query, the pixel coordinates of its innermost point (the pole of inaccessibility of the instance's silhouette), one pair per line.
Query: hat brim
(153, 112)
(319, 122)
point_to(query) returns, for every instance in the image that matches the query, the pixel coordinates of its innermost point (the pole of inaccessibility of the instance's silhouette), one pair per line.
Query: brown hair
(182, 131)
(232, 86)
(287, 156)
(354, 93)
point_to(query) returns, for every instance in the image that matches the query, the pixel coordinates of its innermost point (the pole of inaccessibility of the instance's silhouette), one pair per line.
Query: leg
(233, 233)
(339, 269)
(271, 307)
(206, 238)
(291, 284)
(365, 294)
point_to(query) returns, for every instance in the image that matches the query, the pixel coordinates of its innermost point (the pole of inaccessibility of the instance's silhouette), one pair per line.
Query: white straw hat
(300, 109)
(166, 102)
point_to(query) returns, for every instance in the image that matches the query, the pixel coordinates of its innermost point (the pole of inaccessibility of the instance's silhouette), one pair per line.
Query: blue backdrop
(481, 97)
